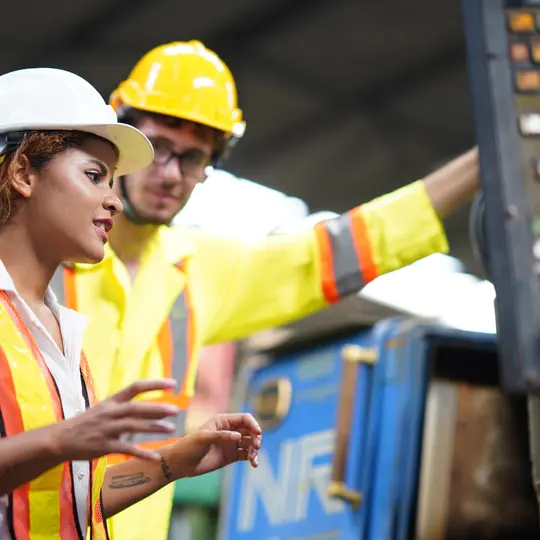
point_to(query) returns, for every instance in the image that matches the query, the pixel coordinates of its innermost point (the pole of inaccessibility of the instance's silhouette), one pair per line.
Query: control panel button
(529, 124)
(519, 52)
(528, 80)
(521, 21)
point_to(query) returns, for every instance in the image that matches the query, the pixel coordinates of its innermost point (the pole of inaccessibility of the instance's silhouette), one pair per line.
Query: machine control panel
(503, 56)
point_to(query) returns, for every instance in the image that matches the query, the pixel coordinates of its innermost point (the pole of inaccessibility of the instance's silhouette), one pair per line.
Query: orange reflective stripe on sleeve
(363, 246)
(345, 255)
(328, 278)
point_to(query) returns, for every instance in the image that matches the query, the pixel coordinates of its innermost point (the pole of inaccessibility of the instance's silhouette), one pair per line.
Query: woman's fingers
(145, 409)
(242, 455)
(244, 443)
(250, 442)
(248, 448)
(221, 436)
(239, 421)
(245, 455)
(140, 387)
(133, 425)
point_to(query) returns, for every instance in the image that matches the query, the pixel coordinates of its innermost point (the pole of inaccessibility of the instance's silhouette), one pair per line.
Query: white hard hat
(54, 99)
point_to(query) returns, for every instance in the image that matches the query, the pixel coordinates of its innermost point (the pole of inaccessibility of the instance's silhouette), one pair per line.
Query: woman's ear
(23, 177)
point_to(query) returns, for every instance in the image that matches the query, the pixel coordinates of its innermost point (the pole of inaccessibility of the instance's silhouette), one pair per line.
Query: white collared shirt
(65, 370)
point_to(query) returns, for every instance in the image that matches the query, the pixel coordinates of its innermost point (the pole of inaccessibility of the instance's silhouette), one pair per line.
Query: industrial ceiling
(344, 99)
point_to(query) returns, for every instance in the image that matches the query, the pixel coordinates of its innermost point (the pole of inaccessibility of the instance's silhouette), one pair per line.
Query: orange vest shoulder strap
(64, 286)
(29, 400)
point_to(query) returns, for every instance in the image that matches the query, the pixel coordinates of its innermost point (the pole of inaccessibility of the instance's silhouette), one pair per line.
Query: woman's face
(70, 203)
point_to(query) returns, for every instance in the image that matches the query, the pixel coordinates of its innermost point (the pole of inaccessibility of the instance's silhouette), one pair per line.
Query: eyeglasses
(193, 163)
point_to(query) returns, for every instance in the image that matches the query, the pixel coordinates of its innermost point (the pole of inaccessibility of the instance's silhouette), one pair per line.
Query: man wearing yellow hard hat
(162, 293)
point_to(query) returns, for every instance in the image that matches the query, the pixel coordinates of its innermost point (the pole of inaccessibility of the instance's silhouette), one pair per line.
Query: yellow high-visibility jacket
(193, 290)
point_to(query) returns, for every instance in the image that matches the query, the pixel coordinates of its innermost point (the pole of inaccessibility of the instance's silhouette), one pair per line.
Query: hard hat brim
(135, 150)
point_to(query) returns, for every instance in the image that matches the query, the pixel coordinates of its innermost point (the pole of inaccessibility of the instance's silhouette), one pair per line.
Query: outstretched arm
(245, 287)
(454, 184)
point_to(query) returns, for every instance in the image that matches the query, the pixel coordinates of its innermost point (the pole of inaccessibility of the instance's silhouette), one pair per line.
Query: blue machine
(343, 427)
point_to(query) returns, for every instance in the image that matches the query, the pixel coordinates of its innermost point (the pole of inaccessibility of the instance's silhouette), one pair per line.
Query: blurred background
(344, 100)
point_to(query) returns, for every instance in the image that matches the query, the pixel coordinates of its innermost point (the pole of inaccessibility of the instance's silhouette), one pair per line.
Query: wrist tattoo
(165, 469)
(128, 480)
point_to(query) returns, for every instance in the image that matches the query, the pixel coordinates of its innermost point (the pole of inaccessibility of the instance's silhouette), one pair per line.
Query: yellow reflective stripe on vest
(37, 409)
(98, 525)
(44, 508)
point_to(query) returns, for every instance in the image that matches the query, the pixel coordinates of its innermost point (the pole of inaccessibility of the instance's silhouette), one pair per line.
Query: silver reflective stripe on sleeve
(347, 271)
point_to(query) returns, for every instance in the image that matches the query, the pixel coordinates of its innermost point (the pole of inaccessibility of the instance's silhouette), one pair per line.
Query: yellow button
(521, 21)
(528, 81)
(535, 49)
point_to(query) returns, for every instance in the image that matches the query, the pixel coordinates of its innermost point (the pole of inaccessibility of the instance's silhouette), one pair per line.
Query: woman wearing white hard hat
(60, 147)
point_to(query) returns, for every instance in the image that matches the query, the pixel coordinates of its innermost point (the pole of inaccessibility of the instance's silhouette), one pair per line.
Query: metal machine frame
(506, 183)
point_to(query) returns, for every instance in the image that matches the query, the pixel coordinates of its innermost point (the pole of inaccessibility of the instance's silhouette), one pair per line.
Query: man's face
(159, 192)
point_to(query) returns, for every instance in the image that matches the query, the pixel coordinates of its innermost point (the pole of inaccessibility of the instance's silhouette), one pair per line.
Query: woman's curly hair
(39, 147)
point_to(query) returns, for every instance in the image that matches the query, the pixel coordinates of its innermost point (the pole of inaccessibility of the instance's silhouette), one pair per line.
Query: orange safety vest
(45, 507)
(175, 342)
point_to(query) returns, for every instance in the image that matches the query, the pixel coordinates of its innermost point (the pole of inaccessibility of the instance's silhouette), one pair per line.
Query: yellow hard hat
(185, 80)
